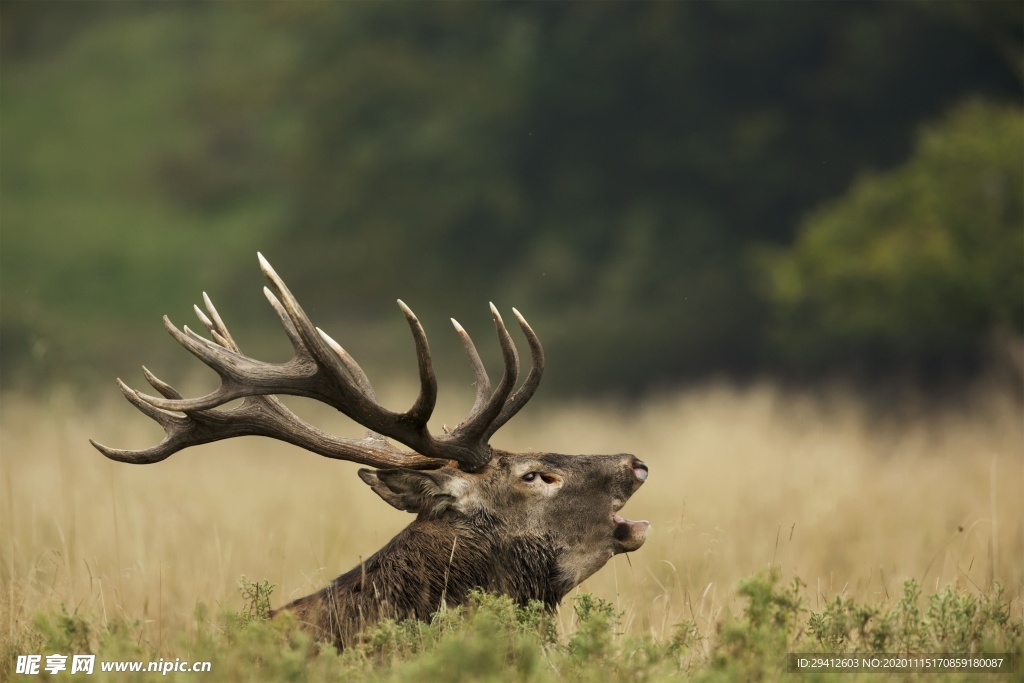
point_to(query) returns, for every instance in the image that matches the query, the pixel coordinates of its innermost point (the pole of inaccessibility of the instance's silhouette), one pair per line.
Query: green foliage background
(667, 190)
(911, 264)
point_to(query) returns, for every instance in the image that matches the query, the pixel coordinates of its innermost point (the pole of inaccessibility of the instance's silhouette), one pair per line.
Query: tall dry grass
(849, 501)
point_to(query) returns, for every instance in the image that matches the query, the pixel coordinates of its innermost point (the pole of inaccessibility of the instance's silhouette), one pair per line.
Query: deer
(532, 526)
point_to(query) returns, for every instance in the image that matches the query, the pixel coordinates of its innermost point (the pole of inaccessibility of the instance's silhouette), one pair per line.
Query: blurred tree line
(667, 190)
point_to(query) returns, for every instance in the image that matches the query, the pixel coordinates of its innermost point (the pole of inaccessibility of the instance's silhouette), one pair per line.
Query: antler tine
(354, 370)
(479, 420)
(211, 327)
(161, 451)
(165, 389)
(286, 322)
(483, 382)
(519, 398)
(161, 417)
(204, 319)
(216, 326)
(358, 376)
(423, 408)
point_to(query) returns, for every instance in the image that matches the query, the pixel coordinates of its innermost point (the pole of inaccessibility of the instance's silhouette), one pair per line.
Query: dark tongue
(625, 528)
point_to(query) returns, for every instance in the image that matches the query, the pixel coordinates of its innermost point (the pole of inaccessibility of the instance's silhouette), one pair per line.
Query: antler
(321, 369)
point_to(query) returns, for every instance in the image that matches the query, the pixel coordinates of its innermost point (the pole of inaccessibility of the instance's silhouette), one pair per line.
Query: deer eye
(546, 478)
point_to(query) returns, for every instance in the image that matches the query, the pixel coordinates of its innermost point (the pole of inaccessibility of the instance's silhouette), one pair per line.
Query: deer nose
(640, 470)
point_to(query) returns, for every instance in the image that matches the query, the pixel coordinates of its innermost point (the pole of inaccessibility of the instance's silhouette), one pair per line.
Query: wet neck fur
(430, 563)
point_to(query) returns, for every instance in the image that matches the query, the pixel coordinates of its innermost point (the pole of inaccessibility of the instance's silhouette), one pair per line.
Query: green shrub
(492, 639)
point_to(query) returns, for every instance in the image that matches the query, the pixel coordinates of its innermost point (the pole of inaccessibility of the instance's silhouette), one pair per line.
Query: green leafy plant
(490, 638)
(256, 599)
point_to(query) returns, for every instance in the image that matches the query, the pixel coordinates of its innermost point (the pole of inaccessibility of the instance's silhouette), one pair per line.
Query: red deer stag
(529, 525)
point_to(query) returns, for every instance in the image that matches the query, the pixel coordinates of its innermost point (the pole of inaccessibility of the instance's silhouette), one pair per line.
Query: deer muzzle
(628, 534)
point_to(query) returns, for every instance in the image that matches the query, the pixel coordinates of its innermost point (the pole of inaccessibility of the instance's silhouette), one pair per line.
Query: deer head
(531, 525)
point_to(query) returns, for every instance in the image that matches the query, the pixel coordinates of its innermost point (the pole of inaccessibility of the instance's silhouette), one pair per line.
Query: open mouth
(629, 535)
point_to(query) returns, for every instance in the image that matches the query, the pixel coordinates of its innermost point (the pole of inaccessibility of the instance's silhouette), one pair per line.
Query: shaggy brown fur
(493, 530)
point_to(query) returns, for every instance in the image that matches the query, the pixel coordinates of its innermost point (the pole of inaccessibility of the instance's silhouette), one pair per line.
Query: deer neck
(445, 560)
(430, 564)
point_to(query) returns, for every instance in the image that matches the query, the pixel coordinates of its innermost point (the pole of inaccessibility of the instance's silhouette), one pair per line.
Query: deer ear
(412, 490)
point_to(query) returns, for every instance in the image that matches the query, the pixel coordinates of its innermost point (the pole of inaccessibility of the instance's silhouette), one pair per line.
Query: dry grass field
(850, 500)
